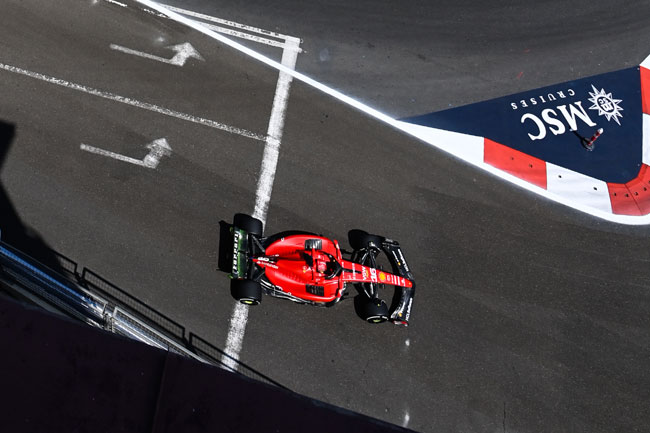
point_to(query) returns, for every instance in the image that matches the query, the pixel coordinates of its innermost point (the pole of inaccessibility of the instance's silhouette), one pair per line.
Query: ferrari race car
(310, 269)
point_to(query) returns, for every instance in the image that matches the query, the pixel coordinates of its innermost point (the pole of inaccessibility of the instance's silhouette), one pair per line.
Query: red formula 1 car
(310, 269)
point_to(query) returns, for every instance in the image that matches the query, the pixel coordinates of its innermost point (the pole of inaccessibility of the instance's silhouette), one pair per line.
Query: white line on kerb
(134, 103)
(239, 317)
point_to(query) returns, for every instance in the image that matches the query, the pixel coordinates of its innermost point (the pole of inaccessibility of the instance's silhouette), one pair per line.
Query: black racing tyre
(359, 239)
(374, 311)
(248, 223)
(246, 291)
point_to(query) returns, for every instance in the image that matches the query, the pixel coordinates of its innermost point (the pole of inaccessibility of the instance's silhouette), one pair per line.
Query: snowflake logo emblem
(606, 105)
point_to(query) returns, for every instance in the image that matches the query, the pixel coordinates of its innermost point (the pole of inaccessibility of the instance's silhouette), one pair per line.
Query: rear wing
(239, 267)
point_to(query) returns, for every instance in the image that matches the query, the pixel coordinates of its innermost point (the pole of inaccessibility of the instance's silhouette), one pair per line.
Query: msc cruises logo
(605, 104)
(559, 119)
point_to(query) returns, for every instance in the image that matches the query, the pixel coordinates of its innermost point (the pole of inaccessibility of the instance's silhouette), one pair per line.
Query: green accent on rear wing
(239, 253)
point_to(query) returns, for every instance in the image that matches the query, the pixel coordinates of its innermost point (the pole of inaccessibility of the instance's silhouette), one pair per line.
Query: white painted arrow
(157, 149)
(183, 52)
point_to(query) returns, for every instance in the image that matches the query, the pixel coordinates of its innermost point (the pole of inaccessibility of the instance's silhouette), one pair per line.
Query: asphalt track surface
(529, 316)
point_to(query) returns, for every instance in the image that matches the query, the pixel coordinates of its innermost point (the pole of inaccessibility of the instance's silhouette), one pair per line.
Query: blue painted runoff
(554, 123)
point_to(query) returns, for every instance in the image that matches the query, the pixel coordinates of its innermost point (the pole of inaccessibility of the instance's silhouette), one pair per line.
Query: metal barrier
(97, 302)
(52, 287)
(78, 302)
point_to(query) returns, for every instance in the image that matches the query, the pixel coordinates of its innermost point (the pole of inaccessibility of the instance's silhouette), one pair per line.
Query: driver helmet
(321, 266)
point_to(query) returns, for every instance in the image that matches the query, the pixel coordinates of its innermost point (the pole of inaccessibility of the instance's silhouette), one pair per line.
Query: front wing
(401, 313)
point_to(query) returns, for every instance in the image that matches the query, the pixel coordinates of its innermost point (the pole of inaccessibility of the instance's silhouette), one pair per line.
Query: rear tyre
(374, 311)
(360, 240)
(246, 291)
(248, 223)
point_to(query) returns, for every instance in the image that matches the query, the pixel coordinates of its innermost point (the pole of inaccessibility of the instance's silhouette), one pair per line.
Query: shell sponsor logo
(382, 276)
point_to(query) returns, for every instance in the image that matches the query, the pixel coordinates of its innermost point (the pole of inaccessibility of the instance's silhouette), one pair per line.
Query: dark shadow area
(195, 344)
(91, 381)
(14, 231)
(359, 303)
(116, 295)
(202, 348)
(224, 262)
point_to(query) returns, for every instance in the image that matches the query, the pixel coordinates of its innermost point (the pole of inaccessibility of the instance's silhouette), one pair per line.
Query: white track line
(239, 318)
(227, 22)
(248, 36)
(114, 2)
(229, 31)
(273, 138)
(134, 103)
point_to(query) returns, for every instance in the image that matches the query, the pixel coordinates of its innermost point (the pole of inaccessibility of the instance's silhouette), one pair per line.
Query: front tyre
(246, 291)
(360, 240)
(374, 311)
(248, 224)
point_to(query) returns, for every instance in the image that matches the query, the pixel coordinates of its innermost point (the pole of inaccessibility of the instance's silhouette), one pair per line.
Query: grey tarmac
(528, 316)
